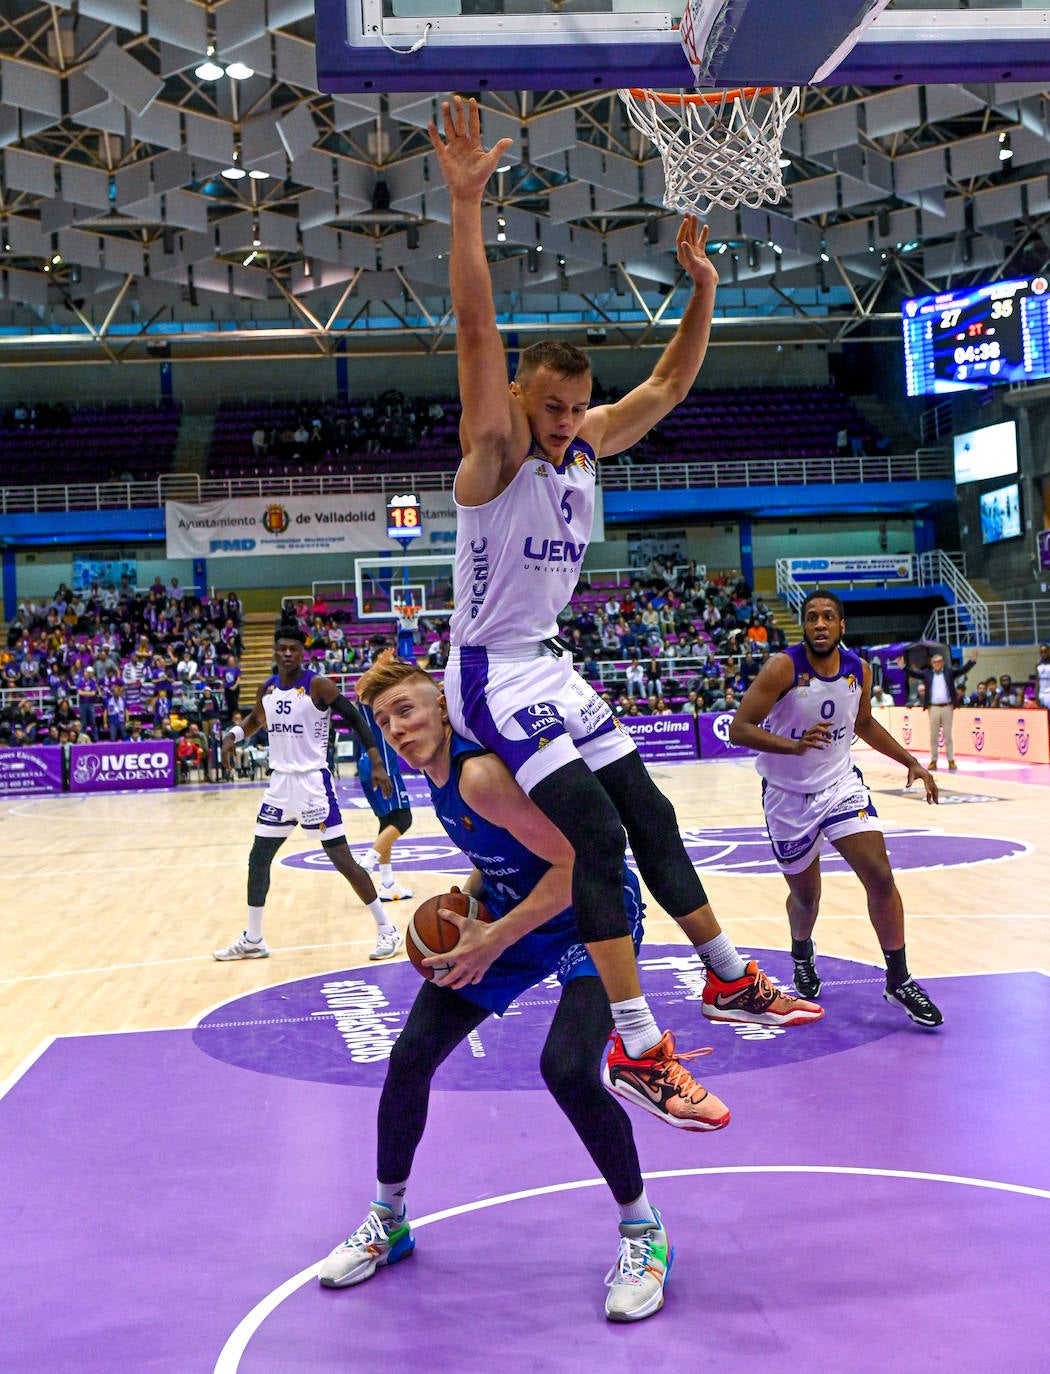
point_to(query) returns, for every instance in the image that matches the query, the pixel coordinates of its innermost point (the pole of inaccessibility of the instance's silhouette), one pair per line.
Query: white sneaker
(369, 862)
(393, 892)
(636, 1281)
(243, 948)
(380, 1239)
(388, 942)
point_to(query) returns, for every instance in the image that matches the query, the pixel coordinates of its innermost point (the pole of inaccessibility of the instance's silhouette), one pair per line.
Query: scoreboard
(977, 337)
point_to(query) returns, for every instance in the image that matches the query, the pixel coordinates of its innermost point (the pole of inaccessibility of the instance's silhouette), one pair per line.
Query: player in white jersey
(801, 714)
(524, 497)
(1041, 676)
(295, 707)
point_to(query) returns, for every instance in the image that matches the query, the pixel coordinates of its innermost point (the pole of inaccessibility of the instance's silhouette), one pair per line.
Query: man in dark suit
(939, 700)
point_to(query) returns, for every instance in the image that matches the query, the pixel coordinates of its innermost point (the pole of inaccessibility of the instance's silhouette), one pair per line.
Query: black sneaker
(807, 979)
(915, 1002)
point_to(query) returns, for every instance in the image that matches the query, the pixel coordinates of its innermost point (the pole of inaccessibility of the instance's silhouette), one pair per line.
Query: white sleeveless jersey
(518, 556)
(813, 700)
(1042, 675)
(297, 730)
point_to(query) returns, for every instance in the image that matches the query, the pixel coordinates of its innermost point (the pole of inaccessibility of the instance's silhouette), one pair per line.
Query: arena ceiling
(123, 234)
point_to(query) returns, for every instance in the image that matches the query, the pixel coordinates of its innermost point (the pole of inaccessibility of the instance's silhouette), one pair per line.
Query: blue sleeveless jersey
(510, 872)
(398, 799)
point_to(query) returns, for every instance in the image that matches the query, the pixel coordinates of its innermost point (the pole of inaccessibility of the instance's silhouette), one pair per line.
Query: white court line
(183, 959)
(229, 1358)
(27, 1063)
(350, 944)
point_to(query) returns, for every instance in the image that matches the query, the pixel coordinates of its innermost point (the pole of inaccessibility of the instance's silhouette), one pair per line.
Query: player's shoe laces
(660, 1084)
(915, 1002)
(381, 1238)
(807, 979)
(755, 1001)
(388, 942)
(636, 1281)
(243, 948)
(393, 892)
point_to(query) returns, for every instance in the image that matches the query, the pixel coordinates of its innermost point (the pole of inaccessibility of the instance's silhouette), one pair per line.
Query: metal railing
(935, 568)
(1007, 623)
(923, 465)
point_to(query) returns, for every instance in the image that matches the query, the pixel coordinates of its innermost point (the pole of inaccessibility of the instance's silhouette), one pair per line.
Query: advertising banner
(120, 767)
(883, 567)
(31, 771)
(713, 730)
(662, 739)
(1004, 733)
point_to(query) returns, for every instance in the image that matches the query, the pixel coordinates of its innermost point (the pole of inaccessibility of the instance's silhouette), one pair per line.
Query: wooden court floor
(112, 904)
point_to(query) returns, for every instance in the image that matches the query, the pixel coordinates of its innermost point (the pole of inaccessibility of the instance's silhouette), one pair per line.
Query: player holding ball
(523, 876)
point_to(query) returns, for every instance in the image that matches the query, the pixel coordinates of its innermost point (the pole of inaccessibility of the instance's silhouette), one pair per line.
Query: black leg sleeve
(438, 1021)
(652, 828)
(259, 861)
(571, 1066)
(582, 811)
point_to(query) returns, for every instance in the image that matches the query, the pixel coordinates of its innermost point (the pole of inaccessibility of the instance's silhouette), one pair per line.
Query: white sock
(392, 1195)
(255, 920)
(386, 874)
(723, 958)
(635, 1025)
(378, 914)
(638, 1210)
(370, 860)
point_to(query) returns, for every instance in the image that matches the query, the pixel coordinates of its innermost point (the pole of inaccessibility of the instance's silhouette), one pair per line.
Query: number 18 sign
(404, 521)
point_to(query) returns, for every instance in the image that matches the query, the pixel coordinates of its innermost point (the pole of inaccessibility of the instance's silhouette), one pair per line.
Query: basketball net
(721, 148)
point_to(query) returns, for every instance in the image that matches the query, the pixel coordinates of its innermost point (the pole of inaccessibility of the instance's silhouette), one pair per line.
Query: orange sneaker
(658, 1083)
(753, 1000)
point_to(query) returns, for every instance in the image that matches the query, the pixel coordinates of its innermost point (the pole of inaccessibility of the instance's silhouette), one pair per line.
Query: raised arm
(612, 428)
(488, 787)
(492, 427)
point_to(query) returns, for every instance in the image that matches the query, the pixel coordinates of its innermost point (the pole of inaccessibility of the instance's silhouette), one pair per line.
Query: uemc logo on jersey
(542, 716)
(553, 550)
(746, 850)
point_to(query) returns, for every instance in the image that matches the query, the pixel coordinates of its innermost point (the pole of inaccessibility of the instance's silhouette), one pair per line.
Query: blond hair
(391, 672)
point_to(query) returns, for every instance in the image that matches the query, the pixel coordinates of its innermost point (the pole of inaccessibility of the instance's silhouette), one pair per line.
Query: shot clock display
(404, 519)
(977, 337)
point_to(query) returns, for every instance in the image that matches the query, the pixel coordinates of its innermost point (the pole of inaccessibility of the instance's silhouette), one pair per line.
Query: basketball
(428, 933)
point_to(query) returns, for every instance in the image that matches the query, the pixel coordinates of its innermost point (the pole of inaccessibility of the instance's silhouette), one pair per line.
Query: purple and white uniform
(300, 787)
(518, 559)
(820, 792)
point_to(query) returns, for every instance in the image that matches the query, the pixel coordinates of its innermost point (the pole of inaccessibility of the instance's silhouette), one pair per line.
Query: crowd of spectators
(673, 640)
(122, 663)
(390, 423)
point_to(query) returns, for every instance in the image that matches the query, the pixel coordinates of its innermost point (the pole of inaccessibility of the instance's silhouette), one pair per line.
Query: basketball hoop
(717, 148)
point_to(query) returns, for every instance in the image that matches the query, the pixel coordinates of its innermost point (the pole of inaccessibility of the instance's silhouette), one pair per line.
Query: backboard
(435, 46)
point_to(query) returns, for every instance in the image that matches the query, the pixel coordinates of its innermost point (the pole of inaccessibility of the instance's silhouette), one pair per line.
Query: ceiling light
(504, 168)
(209, 69)
(234, 173)
(824, 257)
(257, 175)
(239, 71)
(1005, 151)
(785, 162)
(250, 258)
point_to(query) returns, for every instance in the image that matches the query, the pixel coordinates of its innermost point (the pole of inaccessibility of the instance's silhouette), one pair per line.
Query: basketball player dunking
(524, 495)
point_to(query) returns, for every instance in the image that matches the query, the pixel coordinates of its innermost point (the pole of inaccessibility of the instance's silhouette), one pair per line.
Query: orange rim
(700, 97)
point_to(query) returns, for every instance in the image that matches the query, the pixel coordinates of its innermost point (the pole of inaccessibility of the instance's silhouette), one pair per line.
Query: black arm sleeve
(348, 712)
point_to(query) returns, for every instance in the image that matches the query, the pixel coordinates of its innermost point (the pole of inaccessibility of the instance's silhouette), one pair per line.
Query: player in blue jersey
(801, 714)
(393, 811)
(523, 873)
(295, 707)
(524, 495)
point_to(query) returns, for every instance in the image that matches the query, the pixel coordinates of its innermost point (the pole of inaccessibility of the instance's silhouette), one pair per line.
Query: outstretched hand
(692, 252)
(916, 772)
(465, 162)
